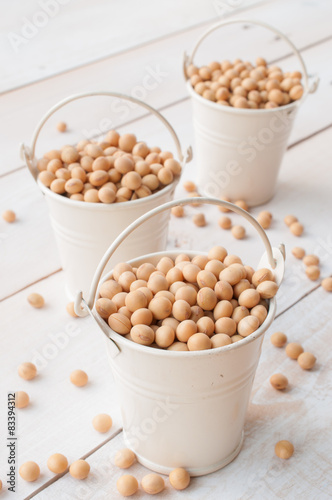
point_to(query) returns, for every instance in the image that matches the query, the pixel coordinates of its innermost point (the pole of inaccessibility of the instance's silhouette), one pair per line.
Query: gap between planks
(59, 476)
(31, 284)
(143, 44)
(124, 124)
(298, 300)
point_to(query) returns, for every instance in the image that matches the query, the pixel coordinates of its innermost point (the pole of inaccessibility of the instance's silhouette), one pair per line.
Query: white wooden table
(114, 45)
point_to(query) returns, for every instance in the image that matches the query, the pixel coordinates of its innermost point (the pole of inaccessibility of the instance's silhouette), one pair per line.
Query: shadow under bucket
(239, 151)
(83, 230)
(183, 409)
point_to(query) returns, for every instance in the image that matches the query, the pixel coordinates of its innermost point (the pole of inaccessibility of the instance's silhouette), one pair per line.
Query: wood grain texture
(299, 414)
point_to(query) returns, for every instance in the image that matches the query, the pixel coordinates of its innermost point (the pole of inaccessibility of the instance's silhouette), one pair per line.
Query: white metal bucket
(184, 409)
(83, 230)
(239, 151)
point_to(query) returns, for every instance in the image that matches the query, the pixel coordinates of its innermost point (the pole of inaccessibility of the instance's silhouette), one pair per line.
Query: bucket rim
(105, 206)
(247, 111)
(120, 340)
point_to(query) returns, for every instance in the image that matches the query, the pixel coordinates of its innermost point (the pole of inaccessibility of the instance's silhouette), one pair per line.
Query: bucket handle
(273, 257)
(28, 154)
(189, 59)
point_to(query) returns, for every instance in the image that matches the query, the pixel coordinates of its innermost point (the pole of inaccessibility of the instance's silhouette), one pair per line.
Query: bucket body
(84, 231)
(239, 151)
(185, 409)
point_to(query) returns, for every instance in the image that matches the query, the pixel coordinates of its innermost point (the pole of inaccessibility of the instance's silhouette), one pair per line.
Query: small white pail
(183, 409)
(83, 230)
(239, 151)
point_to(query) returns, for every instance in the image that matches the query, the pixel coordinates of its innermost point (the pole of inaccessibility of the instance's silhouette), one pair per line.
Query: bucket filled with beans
(96, 188)
(243, 113)
(184, 334)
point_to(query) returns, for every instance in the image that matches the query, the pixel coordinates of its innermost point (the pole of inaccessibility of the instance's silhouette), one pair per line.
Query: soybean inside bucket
(239, 151)
(83, 230)
(183, 409)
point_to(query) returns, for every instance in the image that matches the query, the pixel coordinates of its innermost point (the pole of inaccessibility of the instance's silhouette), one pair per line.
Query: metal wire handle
(28, 154)
(82, 306)
(189, 59)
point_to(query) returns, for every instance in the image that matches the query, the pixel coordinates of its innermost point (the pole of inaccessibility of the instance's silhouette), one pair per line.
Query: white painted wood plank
(300, 414)
(297, 183)
(58, 419)
(36, 35)
(162, 60)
